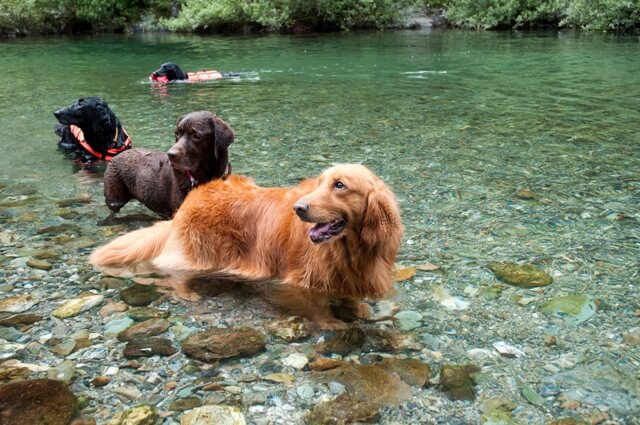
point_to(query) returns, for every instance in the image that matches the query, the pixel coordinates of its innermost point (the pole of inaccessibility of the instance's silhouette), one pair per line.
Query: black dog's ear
(105, 119)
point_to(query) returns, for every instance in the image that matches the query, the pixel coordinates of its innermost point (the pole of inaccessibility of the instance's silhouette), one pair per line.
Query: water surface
(456, 123)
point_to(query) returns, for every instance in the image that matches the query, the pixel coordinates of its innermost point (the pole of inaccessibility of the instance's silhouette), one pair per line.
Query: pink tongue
(319, 230)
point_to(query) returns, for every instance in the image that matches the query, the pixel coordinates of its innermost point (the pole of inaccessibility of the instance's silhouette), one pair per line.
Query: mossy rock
(520, 275)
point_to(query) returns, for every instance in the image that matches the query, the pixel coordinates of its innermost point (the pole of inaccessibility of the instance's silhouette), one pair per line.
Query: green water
(456, 123)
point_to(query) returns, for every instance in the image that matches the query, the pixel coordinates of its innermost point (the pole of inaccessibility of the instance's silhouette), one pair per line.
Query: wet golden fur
(238, 227)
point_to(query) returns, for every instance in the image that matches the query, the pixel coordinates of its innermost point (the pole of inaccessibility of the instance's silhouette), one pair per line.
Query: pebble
(296, 360)
(221, 343)
(213, 414)
(144, 329)
(76, 306)
(138, 415)
(139, 295)
(305, 391)
(128, 391)
(116, 326)
(17, 304)
(407, 320)
(147, 347)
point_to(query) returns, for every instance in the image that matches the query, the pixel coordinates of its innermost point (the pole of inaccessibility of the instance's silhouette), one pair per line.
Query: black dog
(90, 130)
(171, 72)
(160, 180)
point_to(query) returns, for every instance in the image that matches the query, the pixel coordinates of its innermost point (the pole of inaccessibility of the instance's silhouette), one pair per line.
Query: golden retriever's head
(350, 199)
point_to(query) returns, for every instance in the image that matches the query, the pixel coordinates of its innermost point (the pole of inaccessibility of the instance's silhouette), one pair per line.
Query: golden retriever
(333, 237)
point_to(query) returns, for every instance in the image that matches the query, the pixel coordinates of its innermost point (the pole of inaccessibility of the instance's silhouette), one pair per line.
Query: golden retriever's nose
(301, 209)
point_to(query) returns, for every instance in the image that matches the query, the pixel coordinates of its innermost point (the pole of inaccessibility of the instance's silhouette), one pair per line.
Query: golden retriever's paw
(362, 310)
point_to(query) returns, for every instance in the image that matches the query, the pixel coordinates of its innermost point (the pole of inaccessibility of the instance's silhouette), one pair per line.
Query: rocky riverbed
(495, 342)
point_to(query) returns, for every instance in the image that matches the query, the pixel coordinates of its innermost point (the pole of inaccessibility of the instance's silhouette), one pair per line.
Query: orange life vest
(204, 75)
(122, 143)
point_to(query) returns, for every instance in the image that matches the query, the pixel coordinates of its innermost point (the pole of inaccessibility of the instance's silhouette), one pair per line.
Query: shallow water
(456, 123)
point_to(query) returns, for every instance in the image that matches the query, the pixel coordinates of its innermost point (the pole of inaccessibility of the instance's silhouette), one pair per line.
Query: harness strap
(122, 141)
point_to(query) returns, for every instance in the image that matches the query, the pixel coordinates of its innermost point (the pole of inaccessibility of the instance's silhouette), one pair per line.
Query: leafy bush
(605, 15)
(198, 15)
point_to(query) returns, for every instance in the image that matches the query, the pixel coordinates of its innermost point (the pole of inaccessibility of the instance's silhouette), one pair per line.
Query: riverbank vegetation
(25, 17)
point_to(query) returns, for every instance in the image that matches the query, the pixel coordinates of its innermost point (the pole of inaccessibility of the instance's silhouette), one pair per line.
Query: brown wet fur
(237, 227)
(158, 179)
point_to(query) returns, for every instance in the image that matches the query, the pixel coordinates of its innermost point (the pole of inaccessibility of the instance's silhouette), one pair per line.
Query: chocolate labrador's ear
(381, 222)
(223, 136)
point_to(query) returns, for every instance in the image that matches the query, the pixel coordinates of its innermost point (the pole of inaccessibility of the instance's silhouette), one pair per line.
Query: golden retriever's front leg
(303, 302)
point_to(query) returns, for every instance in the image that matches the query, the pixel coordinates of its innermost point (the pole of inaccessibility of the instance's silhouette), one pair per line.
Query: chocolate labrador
(161, 180)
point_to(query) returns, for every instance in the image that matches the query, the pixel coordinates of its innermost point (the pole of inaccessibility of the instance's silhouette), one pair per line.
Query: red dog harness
(122, 143)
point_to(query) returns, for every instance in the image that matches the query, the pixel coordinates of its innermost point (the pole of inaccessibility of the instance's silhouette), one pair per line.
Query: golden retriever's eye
(338, 185)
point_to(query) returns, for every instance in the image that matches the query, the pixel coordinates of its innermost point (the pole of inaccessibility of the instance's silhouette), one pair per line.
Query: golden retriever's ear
(381, 222)
(223, 133)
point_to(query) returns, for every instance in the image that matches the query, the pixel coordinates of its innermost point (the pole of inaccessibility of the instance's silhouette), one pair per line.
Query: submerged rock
(405, 274)
(39, 264)
(148, 347)
(17, 304)
(144, 329)
(38, 401)
(407, 320)
(344, 342)
(77, 305)
(140, 314)
(341, 411)
(291, 329)
(140, 295)
(574, 308)
(213, 414)
(217, 344)
(368, 383)
(20, 319)
(520, 275)
(456, 381)
(366, 340)
(411, 371)
(139, 415)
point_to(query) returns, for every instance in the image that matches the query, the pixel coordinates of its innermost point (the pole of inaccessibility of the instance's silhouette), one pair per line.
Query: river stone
(368, 383)
(77, 305)
(140, 295)
(140, 314)
(138, 415)
(116, 326)
(213, 414)
(283, 378)
(407, 320)
(10, 334)
(456, 381)
(296, 360)
(59, 229)
(65, 372)
(64, 348)
(291, 329)
(38, 401)
(111, 283)
(520, 275)
(144, 329)
(573, 308)
(216, 344)
(343, 342)
(39, 264)
(404, 274)
(148, 347)
(82, 199)
(17, 304)
(187, 403)
(343, 410)
(411, 371)
(20, 319)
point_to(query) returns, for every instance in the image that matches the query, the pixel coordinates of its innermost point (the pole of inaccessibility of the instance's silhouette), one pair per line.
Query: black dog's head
(168, 72)
(94, 117)
(201, 147)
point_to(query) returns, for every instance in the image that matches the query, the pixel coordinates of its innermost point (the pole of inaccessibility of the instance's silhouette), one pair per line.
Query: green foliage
(605, 15)
(489, 14)
(199, 15)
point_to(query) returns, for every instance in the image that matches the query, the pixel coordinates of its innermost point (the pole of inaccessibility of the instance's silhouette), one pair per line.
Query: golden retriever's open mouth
(322, 232)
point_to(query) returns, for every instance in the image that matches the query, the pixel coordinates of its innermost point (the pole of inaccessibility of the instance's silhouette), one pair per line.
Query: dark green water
(456, 123)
